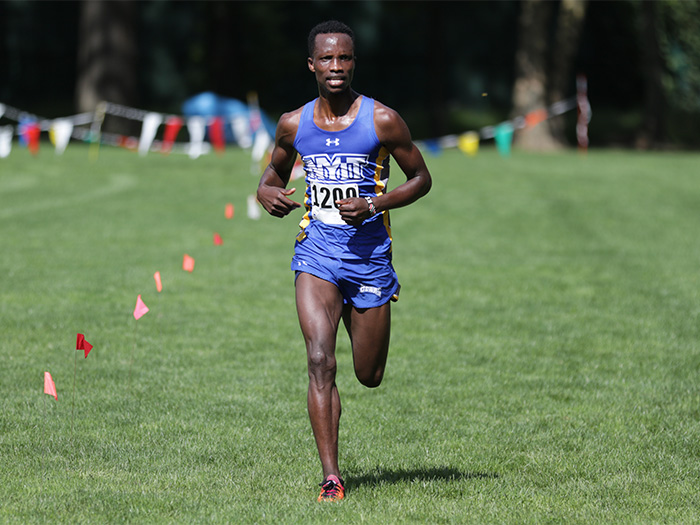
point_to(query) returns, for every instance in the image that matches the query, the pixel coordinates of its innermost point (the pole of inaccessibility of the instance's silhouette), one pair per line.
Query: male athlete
(342, 255)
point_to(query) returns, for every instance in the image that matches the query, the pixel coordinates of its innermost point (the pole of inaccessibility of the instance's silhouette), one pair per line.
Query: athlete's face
(333, 62)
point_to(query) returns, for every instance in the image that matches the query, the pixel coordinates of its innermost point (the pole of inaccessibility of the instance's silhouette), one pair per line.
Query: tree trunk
(572, 14)
(530, 89)
(106, 54)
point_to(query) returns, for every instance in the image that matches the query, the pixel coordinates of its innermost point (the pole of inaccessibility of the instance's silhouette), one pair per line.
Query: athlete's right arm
(271, 191)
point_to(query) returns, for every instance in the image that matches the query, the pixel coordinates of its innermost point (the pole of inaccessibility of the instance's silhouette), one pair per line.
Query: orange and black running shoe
(332, 489)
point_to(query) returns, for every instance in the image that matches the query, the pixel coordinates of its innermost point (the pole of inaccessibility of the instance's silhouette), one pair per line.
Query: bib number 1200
(325, 196)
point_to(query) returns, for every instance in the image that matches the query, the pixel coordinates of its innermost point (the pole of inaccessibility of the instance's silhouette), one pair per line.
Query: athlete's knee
(370, 378)
(320, 363)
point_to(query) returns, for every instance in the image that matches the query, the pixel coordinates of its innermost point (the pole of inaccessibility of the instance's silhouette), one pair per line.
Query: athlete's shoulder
(288, 125)
(291, 118)
(388, 124)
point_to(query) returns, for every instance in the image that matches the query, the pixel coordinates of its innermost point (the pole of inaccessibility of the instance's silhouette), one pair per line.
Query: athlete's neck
(334, 106)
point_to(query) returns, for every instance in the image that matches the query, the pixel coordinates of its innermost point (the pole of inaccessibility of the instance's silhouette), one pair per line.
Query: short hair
(329, 26)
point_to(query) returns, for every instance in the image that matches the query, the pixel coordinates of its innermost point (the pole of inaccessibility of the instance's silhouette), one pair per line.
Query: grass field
(544, 361)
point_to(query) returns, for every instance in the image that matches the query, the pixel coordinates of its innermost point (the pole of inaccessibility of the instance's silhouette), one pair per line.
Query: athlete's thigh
(319, 307)
(369, 330)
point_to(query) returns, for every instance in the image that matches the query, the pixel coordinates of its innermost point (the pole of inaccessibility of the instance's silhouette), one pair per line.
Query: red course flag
(229, 211)
(141, 309)
(187, 263)
(216, 134)
(49, 386)
(159, 283)
(82, 344)
(172, 126)
(33, 131)
(218, 241)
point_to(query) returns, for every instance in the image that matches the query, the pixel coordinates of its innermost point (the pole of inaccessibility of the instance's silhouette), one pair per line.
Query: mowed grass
(544, 361)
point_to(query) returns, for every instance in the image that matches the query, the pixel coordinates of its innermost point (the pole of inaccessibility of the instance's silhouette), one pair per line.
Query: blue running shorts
(359, 265)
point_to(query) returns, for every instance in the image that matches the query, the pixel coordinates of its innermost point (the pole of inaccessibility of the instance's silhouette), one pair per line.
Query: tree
(530, 88)
(652, 130)
(566, 42)
(106, 54)
(542, 77)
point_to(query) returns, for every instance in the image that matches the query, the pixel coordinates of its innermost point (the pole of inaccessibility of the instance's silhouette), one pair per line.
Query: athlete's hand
(275, 201)
(354, 210)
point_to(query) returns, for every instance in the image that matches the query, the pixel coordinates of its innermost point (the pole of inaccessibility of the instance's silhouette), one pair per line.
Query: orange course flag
(187, 263)
(229, 211)
(141, 309)
(159, 283)
(50, 386)
(82, 344)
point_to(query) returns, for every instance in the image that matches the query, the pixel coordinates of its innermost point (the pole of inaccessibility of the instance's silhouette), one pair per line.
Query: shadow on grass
(381, 476)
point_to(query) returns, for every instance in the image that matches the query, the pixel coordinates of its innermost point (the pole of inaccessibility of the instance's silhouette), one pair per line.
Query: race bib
(323, 198)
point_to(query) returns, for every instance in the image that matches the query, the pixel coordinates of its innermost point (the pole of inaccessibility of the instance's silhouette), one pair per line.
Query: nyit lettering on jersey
(340, 164)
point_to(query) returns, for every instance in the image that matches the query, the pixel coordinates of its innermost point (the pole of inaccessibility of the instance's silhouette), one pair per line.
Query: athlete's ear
(310, 63)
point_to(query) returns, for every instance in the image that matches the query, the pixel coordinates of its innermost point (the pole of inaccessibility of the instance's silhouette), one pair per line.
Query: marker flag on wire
(216, 134)
(433, 146)
(141, 309)
(535, 117)
(159, 283)
(228, 213)
(172, 127)
(151, 122)
(196, 127)
(82, 344)
(504, 138)
(31, 132)
(6, 133)
(60, 133)
(469, 143)
(50, 386)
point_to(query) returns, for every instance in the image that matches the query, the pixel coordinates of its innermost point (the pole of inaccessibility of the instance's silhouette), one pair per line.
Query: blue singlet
(338, 165)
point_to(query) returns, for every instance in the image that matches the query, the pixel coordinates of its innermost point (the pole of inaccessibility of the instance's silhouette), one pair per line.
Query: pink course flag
(229, 211)
(82, 344)
(187, 263)
(141, 309)
(218, 241)
(159, 283)
(50, 386)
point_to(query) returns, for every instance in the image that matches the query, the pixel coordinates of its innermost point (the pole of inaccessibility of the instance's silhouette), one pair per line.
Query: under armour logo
(330, 142)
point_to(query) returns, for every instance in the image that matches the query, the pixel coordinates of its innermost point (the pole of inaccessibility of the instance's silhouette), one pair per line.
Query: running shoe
(332, 489)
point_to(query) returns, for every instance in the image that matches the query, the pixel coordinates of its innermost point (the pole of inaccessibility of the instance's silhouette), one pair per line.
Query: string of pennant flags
(87, 127)
(248, 131)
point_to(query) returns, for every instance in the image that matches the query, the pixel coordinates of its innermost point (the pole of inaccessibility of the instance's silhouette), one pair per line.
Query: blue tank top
(341, 164)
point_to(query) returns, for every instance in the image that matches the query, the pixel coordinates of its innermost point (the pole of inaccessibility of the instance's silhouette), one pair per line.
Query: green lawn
(544, 364)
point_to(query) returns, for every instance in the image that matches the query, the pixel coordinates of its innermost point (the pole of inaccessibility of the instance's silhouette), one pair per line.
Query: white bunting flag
(196, 126)
(62, 129)
(6, 133)
(241, 131)
(253, 208)
(262, 142)
(148, 131)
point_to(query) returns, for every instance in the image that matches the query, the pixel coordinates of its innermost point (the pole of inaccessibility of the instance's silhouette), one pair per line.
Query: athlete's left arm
(393, 133)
